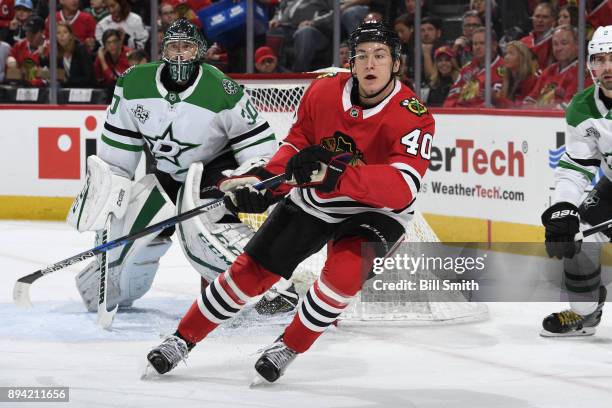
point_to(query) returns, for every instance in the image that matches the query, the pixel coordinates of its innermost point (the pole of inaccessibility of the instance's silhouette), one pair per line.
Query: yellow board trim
(34, 208)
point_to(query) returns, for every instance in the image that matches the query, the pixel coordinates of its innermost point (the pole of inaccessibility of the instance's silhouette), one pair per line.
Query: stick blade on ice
(21, 294)
(105, 317)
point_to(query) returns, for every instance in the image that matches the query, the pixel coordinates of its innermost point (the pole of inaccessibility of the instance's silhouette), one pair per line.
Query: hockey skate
(274, 360)
(278, 301)
(168, 354)
(570, 324)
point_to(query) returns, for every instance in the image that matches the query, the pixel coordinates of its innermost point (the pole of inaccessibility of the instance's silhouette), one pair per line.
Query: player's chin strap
(381, 89)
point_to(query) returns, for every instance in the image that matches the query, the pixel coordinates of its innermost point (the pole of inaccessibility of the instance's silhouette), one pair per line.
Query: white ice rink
(499, 363)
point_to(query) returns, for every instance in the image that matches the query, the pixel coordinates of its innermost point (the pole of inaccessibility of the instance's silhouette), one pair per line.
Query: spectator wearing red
(539, 40)
(445, 76)
(97, 9)
(559, 82)
(83, 24)
(600, 14)
(197, 5)
(135, 35)
(31, 53)
(73, 58)
(266, 61)
(519, 77)
(185, 11)
(468, 90)
(23, 11)
(112, 58)
(7, 13)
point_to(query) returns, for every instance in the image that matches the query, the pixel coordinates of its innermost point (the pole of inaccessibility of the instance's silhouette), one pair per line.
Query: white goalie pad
(210, 247)
(104, 193)
(131, 267)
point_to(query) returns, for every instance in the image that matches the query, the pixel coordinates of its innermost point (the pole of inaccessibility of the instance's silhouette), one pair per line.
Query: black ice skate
(569, 323)
(168, 354)
(274, 360)
(279, 301)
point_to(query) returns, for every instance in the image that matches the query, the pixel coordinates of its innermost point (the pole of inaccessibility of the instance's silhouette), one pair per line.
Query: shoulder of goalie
(241, 196)
(105, 192)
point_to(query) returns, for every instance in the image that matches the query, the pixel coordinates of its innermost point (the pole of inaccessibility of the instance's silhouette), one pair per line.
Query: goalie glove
(317, 167)
(562, 223)
(241, 196)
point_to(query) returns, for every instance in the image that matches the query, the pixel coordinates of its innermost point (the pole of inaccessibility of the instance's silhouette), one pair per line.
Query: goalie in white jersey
(199, 127)
(588, 146)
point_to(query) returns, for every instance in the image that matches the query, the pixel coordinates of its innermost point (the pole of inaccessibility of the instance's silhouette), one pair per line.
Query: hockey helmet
(374, 31)
(183, 48)
(600, 43)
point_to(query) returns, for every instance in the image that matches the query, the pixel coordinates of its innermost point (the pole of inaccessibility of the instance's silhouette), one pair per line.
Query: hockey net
(277, 98)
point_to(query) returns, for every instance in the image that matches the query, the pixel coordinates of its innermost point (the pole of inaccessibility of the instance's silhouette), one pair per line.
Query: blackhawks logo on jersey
(327, 75)
(340, 142)
(415, 106)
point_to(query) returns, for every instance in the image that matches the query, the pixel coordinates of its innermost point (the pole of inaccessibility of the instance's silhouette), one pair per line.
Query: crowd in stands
(534, 45)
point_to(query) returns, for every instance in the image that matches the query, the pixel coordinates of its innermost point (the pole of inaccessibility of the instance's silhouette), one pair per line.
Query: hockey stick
(21, 291)
(105, 316)
(606, 225)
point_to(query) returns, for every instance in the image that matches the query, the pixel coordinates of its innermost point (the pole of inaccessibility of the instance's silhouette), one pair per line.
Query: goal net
(277, 98)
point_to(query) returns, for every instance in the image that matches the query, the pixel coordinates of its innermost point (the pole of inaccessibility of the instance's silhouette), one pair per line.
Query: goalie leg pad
(210, 247)
(132, 266)
(125, 284)
(104, 193)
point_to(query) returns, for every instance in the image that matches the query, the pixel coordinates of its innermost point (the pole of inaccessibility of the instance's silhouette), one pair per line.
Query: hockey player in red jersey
(354, 158)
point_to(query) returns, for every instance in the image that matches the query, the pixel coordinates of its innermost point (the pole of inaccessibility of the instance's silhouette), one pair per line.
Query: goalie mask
(600, 48)
(183, 47)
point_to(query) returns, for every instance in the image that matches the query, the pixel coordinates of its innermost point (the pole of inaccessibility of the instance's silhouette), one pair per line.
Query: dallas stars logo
(165, 147)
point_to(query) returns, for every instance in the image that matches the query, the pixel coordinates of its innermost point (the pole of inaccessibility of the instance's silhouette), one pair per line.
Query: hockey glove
(317, 167)
(562, 222)
(240, 196)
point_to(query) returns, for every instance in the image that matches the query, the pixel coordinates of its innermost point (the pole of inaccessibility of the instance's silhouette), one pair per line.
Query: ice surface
(501, 363)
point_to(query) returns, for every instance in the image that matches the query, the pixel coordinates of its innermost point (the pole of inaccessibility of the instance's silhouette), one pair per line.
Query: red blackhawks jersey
(468, 90)
(556, 86)
(390, 142)
(542, 48)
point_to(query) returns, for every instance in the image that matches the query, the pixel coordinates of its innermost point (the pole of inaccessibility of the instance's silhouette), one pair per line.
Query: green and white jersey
(588, 145)
(210, 118)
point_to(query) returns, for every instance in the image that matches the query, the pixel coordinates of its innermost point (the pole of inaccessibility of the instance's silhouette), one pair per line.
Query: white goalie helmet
(601, 43)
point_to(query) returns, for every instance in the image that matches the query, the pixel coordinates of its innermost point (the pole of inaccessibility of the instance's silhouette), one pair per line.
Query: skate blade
(586, 331)
(259, 381)
(147, 372)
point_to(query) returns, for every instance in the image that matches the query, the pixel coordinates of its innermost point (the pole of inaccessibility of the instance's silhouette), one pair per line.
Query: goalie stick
(21, 291)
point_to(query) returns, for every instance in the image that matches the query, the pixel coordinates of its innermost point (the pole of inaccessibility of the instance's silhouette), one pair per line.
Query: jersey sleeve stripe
(413, 179)
(122, 132)
(570, 166)
(250, 133)
(270, 138)
(122, 146)
(586, 162)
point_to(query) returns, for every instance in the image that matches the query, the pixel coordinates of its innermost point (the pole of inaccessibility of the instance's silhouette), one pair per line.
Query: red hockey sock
(340, 280)
(225, 297)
